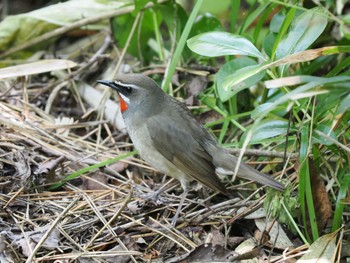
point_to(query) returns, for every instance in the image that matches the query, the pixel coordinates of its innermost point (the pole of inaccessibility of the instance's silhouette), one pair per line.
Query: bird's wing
(178, 146)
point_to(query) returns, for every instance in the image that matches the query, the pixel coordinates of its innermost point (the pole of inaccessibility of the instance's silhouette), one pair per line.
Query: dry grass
(104, 215)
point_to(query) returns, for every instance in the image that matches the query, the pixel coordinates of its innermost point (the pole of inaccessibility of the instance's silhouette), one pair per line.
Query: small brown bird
(170, 139)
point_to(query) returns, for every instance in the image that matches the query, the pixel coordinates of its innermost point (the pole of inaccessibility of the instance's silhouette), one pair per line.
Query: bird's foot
(154, 198)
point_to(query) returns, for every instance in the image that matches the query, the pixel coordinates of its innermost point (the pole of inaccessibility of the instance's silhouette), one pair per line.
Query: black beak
(120, 88)
(108, 83)
(111, 84)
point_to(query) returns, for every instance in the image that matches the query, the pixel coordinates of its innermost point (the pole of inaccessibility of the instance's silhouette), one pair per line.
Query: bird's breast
(140, 136)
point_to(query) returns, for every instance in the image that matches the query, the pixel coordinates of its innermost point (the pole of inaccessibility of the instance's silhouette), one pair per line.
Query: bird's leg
(154, 196)
(178, 210)
(166, 186)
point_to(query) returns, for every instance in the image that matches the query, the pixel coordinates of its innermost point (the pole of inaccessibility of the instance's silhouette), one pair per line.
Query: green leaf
(279, 110)
(338, 99)
(91, 168)
(285, 23)
(227, 70)
(305, 29)
(276, 22)
(303, 91)
(345, 30)
(215, 7)
(215, 44)
(18, 29)
(241, 75)
(344, 105)
(204, 23)
(305, 193)
(121, 27)
(254, 15)
(268, 129)
(239, 79)
(268, 43)
(316, 138)
(180, 46)
(139, 4)
(340, 204)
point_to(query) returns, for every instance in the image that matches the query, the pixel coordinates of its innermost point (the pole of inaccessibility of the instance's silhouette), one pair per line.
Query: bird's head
(135, 91)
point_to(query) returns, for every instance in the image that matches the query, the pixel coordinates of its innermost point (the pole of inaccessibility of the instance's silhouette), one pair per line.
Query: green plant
(292, 79)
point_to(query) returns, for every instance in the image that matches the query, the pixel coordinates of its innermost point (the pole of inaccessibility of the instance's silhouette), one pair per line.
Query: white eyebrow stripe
(126, 85)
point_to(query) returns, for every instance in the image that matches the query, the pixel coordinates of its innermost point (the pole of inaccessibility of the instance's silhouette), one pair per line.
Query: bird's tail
(249, 173)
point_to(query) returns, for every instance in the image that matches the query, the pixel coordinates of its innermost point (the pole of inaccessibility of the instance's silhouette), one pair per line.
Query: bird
(169, 138)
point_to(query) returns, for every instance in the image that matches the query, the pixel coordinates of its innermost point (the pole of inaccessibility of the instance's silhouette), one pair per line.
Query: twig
(48, 232)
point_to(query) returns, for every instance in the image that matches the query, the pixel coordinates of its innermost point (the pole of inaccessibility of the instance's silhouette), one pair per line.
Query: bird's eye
(128, 90)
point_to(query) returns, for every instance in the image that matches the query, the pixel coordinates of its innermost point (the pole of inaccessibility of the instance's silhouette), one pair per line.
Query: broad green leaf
(276, 22)
(268, 43)
(229, 68)
(215, 7)
(139, 4)
(338, 99)
(344, 105)
(305, 29)
(17, 29)
(282, 31)
(268, 129)
(316, 138)
(345, 30)
(239, 79)
(215, 44)
(121, 27)
(236, 79)
(279, 110)
(204, 23)
(303, 91)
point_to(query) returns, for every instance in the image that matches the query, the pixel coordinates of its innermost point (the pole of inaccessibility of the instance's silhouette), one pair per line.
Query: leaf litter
(109, 219)
(52, 126)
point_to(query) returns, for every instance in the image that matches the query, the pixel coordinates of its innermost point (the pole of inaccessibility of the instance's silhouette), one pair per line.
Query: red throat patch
(123, 104)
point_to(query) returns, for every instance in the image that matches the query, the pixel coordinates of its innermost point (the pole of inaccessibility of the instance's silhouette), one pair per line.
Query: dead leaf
(277, 235)
(218, 238)
(96, 181)
(47, 169)
(194, 85)
(206, 253)
(119, 166)
(323, 250)
(22, 163)
(323, 207)
(51, 242)
(63, 121)
(209, 116)
(37, 67)
(246, 247)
